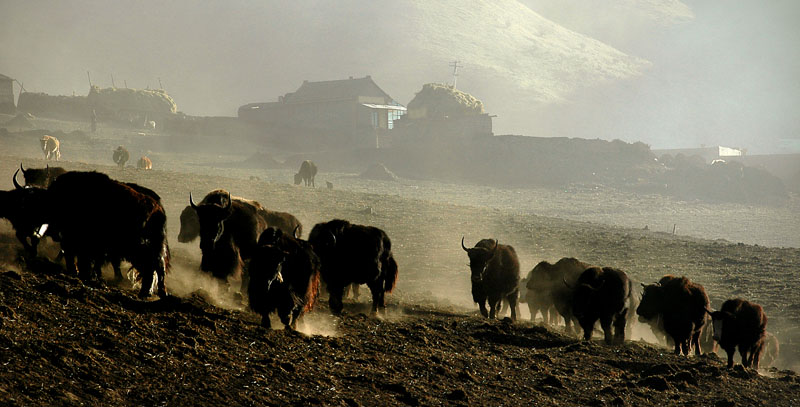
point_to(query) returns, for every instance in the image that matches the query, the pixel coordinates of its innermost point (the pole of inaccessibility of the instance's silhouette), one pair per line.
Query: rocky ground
(64, 343)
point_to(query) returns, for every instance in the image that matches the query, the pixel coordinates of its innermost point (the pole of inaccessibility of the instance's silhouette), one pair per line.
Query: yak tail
(390, 273)
(312, 292)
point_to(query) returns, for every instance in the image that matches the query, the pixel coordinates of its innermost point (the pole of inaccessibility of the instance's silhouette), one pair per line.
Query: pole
(160, 85)
(455, 64)
(90, 78)
(113, 85)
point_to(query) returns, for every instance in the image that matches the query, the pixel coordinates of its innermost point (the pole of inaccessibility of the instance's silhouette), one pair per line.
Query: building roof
(335, 90)
(5, 78)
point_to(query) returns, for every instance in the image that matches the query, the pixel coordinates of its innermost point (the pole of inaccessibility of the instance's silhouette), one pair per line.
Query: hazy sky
(715, 72)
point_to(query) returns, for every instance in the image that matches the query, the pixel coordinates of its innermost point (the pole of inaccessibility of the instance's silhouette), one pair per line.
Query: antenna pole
(90, 78)
(113, 85)
(455, 64)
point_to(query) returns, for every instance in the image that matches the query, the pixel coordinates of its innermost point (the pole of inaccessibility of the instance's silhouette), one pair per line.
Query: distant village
(442, 133)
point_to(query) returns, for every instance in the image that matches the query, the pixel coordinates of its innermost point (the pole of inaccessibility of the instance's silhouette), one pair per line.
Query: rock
(552, 381)
(12, 275)
(457, 395)
(655, 383)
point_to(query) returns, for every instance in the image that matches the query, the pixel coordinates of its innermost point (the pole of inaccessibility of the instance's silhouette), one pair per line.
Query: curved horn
(191, 201)
(494, 251)
(567, 284)
(462, 244)
(643, 285)
(333, 237)
(294, 233)
(230, 203)
(20, 167)
(16, 184)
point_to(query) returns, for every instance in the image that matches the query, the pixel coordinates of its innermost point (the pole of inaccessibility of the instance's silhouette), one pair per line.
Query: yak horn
(229, 202)
(462, 244)
(23, 169)
(191, 201)
(294, 233)
(16, 184)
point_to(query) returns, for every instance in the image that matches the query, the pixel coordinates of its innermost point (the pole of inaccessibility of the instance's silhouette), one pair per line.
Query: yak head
(298, 178)
(266, 269)
(589, 283)
(212, 217)
(479, 259)
(652, 302)
(718, 321)
(190, 225)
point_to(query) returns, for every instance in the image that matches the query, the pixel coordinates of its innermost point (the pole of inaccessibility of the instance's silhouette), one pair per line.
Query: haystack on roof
(144, 100)
(439, 100)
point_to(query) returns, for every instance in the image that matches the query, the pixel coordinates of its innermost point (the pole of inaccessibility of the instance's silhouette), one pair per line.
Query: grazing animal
(546, 288)
(229, 232)
(121, 156)
(354, 254)
(111, 221)
(190, 223)
(144, 164)
(25, 208)
(677, 306)
(602, 293)
(41, 177)
(284, 278)
(495, 276)
(308, 170)
(51, 148)
(740, 323)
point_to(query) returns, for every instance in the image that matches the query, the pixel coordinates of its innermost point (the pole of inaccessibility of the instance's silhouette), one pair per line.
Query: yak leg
(533, 309)
(512, 303)
(147, 284)
(84, 268)
(30, 248)
(494, 304)
(265, 322)
(296, 315)
(377, 297)
(161, 287)
(335, 298)
(619, 327)
(605, 323)
(730, 351)
(746, 359)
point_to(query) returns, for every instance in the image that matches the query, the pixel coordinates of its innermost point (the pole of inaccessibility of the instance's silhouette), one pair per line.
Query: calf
(494, 272)
(284, 277)
(604, 294)
(740, 323)
(677, 306)
(144, 164)
(51, 148)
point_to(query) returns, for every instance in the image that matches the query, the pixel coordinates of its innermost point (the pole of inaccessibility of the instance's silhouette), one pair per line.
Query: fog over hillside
(671, 74)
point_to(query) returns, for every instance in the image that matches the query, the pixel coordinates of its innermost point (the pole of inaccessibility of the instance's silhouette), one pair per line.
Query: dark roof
(5, 78)
(336, 90)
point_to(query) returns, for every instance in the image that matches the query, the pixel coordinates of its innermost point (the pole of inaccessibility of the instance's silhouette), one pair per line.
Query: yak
(41, 177)
(144, 163)
(229, 231)
(25, 207)
(604, 294)
(308, 170)
(740, 323)
(678, 306)
(357, 254)
(121, 156)
(98, 219)
(284, 277)
(495, 276)
(190, 223)
(546, 288)
(51, 148)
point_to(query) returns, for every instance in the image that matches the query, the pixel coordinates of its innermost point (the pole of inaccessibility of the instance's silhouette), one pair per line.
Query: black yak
(546, 287)
(354, 254)
(41, 177)
(604, 294)
(121, 156)
(495, 276)
(308, 170)
(741, 324)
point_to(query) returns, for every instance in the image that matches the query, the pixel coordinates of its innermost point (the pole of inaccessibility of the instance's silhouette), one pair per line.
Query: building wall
(7, 97)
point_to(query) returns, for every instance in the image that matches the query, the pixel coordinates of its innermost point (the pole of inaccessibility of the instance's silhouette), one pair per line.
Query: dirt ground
(64, 343)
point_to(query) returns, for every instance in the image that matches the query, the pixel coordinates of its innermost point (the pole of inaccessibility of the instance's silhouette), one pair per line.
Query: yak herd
(282, 273)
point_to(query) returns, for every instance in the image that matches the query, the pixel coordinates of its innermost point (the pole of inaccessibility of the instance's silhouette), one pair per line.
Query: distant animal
(229, 232)
(602, 294)
(308, 170)
(284, 277)
(109, 221)
(41, 177)
(144, 164)
(190, 223)
(494, 272)
(25, 208)
(357, 254)
(149, 124)
(677, 306)
(51, 148)
(329, 184)
(546, 289)
(740, 323)
(121, 156)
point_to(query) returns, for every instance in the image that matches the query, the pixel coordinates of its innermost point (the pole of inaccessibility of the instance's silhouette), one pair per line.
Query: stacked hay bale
(137, 100)
(437, 100)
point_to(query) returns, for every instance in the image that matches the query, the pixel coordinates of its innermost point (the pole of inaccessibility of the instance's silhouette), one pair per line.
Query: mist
(673, 74)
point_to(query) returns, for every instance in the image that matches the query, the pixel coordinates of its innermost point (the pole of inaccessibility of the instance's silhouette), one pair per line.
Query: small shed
(7, 95)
